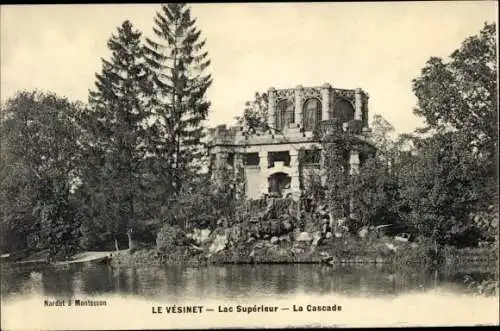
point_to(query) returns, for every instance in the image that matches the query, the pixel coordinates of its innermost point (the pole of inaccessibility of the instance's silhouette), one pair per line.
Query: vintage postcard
(249, 165)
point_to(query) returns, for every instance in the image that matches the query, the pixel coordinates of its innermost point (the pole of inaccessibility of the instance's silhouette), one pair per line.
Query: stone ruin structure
(268, 162)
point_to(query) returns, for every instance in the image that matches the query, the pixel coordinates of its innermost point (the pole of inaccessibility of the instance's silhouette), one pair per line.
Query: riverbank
(346, 250)
(263, 252)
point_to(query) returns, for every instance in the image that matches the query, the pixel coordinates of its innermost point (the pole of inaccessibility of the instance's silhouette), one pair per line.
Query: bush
(487, 287)
(171, 237)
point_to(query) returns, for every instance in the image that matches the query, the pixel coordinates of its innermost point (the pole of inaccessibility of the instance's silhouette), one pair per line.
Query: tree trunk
(116, 245)
(132, 245)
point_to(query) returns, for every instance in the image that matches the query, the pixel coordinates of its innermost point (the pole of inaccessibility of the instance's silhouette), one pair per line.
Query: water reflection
(230, 281)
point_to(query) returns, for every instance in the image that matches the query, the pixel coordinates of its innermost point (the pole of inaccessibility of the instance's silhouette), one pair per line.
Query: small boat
(87, 258)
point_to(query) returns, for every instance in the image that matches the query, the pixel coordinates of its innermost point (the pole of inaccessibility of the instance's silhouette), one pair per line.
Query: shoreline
(448, 256)
(458, 257)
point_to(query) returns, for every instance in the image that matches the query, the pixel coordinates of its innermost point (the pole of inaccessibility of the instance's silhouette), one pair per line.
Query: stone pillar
(263, 161)
(263, 169)
(271, 116)
(239, 175)
(365, 111)
(294, 174)
(331, 111)
(325, 102)
(354, 162)
(299, 104)
(353, 169)
(238, 162)
(220, 159)
(220, 166)
(358, 105)
(322, 167)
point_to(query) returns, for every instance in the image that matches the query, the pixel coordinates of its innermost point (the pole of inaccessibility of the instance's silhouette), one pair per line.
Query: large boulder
(218, 244)
(200, 236)
(363, 232)
(304, 236)
(316, 238)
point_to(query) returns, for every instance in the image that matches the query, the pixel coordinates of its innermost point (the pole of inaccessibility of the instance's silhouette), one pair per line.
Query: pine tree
(179, 61)
(118, 125)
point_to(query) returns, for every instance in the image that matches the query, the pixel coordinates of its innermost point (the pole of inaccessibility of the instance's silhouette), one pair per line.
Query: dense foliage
(117, 145)
(454, 175)
(38, 172)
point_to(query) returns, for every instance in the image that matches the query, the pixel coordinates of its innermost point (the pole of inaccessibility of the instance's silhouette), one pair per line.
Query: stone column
(263, 161)
(325, 101)
(263, 171)
(239, 174)
(220, 159)
(299, 104)
(332, 105)
(358, 104)
(238, 162)
(322, 167)
(353, 169)
(271, 116)
(294, 174)
(354, 162)
(220, 166)
(365, 111)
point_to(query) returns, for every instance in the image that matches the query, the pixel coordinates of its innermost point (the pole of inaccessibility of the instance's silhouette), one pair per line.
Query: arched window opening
(278, 183)
(285, 114)
(344, 111)
(312, 114)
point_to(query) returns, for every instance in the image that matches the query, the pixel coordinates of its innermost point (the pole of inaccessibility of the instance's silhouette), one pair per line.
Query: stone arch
(285, 114)
(278, 182)
(312, 113)
(344, 110)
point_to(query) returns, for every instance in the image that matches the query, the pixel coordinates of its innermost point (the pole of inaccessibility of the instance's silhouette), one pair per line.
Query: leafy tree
(178, 58)
(255, 114)
(202, 204)
(383, 139)
(117, 142)
(461, 94)
(375, 194)
(38, 173)
(455, 171)
(440, 187)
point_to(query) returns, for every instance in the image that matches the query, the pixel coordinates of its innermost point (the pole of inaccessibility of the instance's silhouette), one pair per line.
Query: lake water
(142, 297)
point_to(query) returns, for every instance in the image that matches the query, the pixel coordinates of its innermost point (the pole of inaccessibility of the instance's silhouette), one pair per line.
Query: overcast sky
(379, 47)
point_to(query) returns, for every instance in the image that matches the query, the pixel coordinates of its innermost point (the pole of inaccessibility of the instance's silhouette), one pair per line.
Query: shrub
(171, 237)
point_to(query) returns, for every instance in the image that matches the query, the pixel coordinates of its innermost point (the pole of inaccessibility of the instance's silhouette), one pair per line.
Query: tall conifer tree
(179, 60)
(118, 119)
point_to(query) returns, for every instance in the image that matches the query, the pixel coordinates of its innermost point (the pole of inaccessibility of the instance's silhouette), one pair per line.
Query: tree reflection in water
(234, 281)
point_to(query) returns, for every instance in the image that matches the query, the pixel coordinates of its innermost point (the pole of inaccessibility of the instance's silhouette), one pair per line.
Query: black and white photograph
(249, 165)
